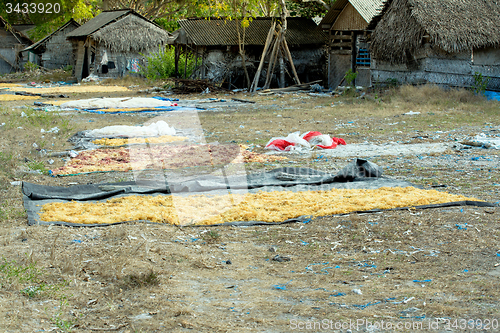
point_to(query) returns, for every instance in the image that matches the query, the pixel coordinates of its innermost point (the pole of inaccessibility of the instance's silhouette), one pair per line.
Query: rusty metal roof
(366, 8)
(219, 32)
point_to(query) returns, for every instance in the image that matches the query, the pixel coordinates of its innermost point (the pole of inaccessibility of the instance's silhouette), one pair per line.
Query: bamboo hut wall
(8, 45)
(349, 19)
(58, 50)
(119, 58)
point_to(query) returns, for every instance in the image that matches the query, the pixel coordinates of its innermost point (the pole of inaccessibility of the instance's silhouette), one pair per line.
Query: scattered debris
(186, 86)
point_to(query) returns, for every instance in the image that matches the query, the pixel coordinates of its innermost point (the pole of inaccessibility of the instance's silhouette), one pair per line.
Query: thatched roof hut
(112, 36)
(113, 43)
(122, 31)
(454, 26)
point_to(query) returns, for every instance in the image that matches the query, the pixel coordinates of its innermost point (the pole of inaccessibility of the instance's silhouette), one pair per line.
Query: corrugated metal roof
(98, 22)
(42, 41)
(366, 8)
(218, 32)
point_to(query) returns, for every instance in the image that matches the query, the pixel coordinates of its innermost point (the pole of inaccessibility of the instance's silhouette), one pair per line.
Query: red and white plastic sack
(308, 140)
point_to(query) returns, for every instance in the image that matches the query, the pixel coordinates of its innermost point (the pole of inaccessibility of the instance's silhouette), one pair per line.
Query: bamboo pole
(287, 50)
(282, 69)
(195, 62)
(185, 61)
(272, 60)
(269, 39)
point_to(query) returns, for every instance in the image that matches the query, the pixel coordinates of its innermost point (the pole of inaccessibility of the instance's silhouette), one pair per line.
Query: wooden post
(272, 60)
(176, 60)
(186, 61)
(195, 61)
(287, 50)
(203, 70)
(269, 39)
(282, 70)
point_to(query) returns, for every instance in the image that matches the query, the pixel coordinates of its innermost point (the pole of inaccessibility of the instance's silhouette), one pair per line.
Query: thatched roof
(221, 32)
(131, 33)
(453, 25)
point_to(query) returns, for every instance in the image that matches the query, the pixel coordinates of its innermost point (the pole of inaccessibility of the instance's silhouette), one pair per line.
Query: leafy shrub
(480, 83)
(350, 76)
(30, 67)
(161, 64)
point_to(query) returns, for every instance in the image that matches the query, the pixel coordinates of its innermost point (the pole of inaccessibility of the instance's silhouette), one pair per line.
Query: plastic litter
(357, 291)
(363, 306)
(308, 140)
(487, 142)
(411, 113)
(281, 286)
(52, 130)
(316, 88)
(280, 258)
(91, 78)
(421, 281)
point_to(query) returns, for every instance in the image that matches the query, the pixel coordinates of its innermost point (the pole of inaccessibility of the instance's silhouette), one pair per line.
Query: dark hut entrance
(85, 67)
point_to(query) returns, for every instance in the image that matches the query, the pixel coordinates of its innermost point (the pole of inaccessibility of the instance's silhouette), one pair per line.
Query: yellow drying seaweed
(7, 97)
(261, 206)
(9, 85)
(71, 89)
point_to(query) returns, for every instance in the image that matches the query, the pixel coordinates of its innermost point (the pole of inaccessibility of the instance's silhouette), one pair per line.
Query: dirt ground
(404, 271)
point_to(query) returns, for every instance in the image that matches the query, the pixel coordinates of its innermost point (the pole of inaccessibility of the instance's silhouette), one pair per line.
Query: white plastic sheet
(123, 102)
(155, 129)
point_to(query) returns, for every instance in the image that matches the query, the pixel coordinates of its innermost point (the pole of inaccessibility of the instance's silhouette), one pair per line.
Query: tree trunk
(241, 47)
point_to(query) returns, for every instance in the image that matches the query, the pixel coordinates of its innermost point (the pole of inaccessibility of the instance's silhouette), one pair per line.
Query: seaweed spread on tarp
(360, 174)
(161, 157)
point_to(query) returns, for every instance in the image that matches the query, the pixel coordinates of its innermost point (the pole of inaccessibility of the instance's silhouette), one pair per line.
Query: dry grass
(433, 95)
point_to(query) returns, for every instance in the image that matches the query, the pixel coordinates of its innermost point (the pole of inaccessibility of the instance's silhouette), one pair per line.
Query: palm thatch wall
(131, 34)
(452, 25)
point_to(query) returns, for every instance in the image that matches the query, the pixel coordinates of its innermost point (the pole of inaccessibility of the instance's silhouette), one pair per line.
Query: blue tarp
(492, 95)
